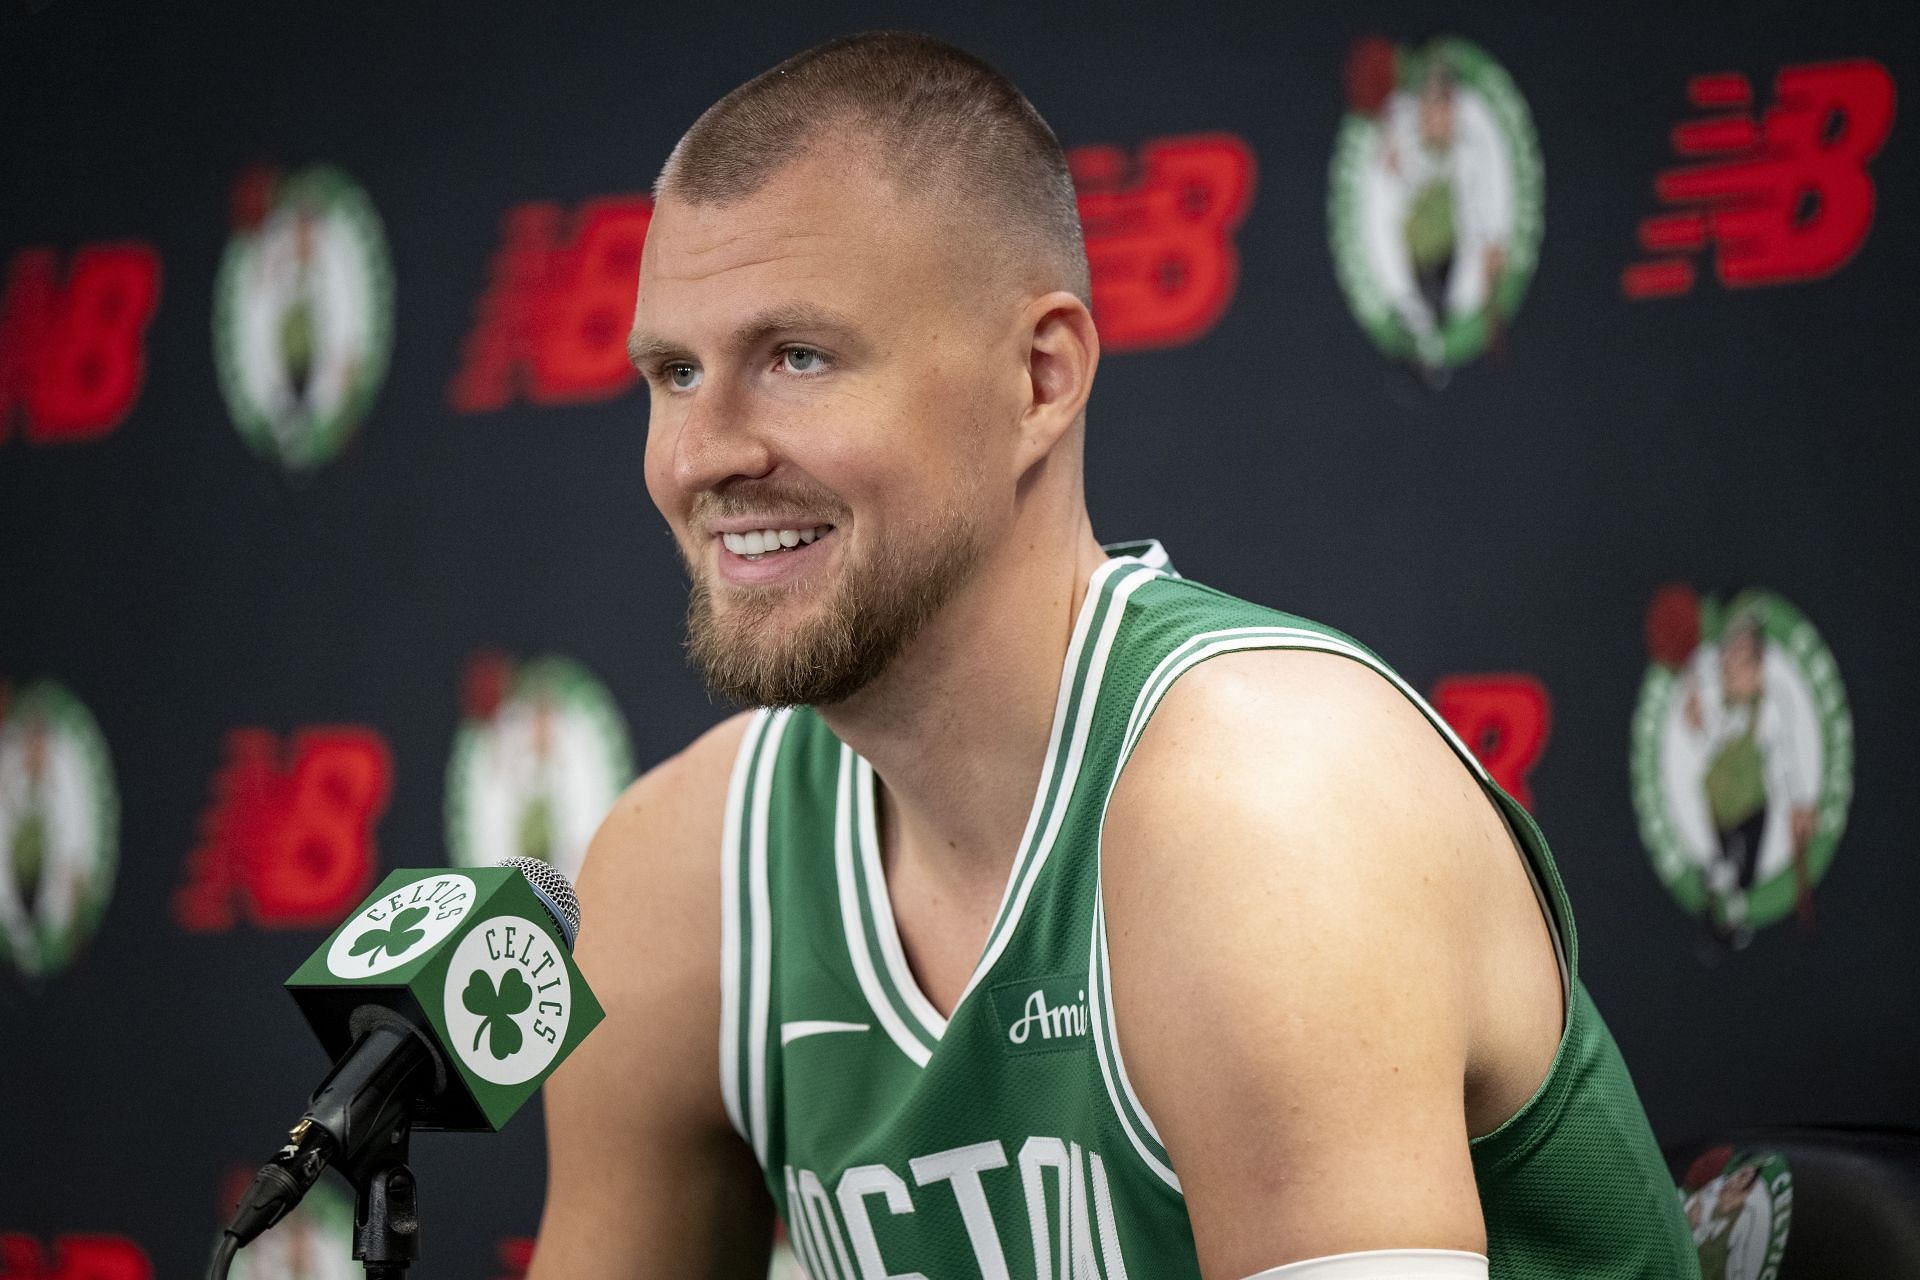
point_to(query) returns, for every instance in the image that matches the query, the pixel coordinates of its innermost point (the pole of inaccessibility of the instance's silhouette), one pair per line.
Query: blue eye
(683, 377)
(802, 359)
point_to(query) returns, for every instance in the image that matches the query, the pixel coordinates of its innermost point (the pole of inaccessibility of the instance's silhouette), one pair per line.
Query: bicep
(1265, 926)
(645, 1176)
(633, 1190)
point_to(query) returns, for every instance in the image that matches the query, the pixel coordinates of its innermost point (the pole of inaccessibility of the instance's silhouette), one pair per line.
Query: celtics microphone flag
(479, 963)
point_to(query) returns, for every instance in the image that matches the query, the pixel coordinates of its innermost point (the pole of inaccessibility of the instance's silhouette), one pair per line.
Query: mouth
(753, 545)
(774, 555)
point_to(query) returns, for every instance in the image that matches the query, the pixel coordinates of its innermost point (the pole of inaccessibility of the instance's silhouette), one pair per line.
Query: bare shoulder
(1295, 788)
(645, 1174)
(1304, 739)
(650, 887)
(1289, 868)
(663, 833)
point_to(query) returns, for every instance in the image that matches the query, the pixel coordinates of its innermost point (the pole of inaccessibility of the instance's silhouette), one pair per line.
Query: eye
(802, 360)
(682, 376)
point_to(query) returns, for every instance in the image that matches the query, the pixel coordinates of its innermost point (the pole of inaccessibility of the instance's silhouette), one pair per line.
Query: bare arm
(1309, 901)
(645, 1177)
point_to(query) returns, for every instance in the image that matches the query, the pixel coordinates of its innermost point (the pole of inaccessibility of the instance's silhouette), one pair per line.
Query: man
(913, 961)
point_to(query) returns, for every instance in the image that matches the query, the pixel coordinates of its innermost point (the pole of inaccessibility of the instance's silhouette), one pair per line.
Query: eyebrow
(645, 348)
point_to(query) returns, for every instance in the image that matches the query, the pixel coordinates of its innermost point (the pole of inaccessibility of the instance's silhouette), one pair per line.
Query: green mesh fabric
(1005, 1142)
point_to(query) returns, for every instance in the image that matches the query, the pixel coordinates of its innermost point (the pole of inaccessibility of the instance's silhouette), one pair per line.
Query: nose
(718, 440)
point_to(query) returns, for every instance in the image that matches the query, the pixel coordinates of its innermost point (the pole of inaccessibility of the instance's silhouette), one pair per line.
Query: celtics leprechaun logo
(1435, 206)
(59, 827)
(303, 313)
(1739, 1206)
(1742, 757)
(539, 758)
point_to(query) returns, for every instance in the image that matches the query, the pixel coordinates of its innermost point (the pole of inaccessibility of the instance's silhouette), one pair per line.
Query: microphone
(445, 1000)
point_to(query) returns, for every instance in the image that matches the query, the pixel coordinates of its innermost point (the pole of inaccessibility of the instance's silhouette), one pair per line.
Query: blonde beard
(751, 658)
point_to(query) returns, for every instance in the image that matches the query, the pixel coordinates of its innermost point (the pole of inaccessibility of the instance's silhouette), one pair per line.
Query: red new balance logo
(1785, 199)
(1504, 719)
(73, 1257)
(1160, 235)
(552, 326)
(73, 350)
(288, 838)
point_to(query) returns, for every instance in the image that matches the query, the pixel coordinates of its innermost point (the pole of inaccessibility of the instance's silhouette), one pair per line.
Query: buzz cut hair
(939, 122)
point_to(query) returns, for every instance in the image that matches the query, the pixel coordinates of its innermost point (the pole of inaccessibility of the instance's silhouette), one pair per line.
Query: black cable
(223, 1257)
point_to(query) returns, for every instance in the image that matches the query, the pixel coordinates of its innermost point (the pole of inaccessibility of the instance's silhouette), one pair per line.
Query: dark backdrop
(183, 586)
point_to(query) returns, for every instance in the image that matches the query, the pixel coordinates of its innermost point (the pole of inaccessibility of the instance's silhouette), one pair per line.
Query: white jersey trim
(760, 975)
(804, 1027)
(1100, 1014)
(1026, 876)
(852, 921)
(730, 958)
(881, 907)
(886, 980)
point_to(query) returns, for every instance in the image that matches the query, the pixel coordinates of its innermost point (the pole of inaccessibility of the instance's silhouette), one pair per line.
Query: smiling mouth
(755, 544)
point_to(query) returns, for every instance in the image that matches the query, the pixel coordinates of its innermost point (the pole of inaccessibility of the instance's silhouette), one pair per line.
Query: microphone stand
(386, 1219)
(374, 1103)
(360, 1121)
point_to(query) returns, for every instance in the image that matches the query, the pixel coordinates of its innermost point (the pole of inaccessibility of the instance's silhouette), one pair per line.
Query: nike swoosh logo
(791, 1031)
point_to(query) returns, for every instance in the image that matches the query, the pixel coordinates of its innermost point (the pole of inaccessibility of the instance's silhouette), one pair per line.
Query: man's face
(1436, 111)
(831, 394)
(1740, 667)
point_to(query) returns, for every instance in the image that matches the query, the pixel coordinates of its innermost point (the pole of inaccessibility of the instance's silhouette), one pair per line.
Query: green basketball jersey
(1006, 1141)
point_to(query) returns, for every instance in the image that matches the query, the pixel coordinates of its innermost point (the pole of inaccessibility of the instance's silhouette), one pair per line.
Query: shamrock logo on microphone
(495, 1009)
(394, 939)
(401, 926)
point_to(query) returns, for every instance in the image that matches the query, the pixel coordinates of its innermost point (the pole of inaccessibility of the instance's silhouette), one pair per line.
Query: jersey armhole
(1139, 1128)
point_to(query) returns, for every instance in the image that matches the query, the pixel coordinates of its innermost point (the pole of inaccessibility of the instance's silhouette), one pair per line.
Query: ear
(1062, 354)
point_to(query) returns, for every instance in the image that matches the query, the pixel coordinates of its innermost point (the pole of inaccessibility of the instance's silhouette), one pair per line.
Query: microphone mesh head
(553, 887)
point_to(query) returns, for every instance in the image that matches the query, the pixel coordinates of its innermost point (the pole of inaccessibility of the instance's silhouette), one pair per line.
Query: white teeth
(757, 542)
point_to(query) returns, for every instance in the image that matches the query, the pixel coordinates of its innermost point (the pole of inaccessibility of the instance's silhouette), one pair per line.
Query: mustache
(772, 501)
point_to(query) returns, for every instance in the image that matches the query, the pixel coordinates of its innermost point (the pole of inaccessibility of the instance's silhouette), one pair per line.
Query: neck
(957, 727)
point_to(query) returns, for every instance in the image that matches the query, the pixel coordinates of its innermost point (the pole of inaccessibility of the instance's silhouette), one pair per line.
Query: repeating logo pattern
(538, 760)
(59, 827)
(1742, 757)
(1742, 750)
(1436, 201)
(303, 314)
